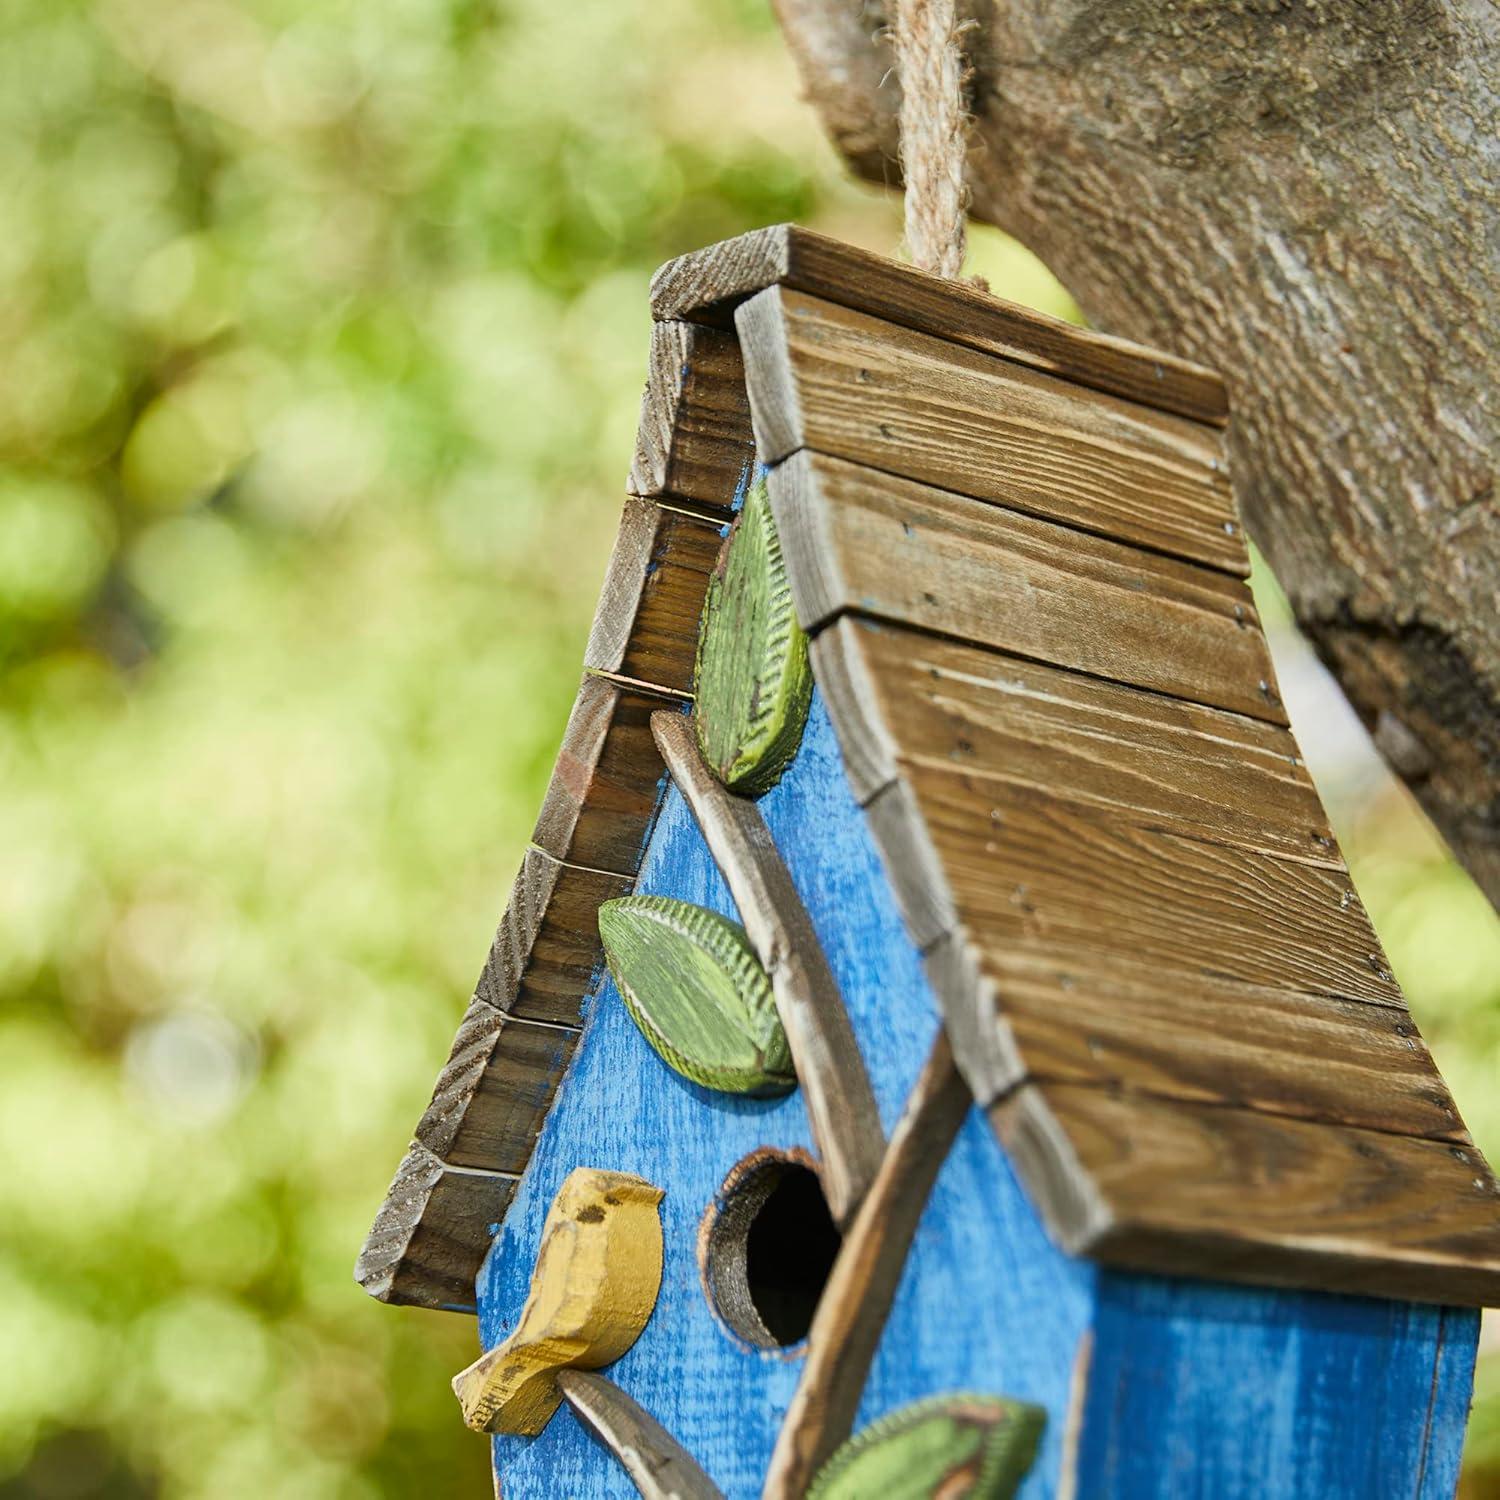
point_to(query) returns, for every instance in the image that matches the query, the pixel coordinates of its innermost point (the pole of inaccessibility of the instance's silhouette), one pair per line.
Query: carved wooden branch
(658, 1465)
(857, 1299)
(830, 1071)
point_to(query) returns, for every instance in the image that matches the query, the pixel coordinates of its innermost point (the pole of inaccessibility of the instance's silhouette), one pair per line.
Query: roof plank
(608, 779)
(710, 283)
(823, 377)
(1255, 1197)
(1044, 875)
(857, 539)
(1206, 1040)
(694, 440)
(904, 697)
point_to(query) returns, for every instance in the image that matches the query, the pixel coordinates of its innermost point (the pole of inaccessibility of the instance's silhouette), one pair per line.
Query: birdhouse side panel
(1153, 1386)
(980, 1269)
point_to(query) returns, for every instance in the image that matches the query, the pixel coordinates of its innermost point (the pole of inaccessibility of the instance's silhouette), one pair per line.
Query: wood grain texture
(1046, 876)
(546, 951)
(1258, 1198)
(1393, 1376)
(856, 539)
(432, 1232)
(830, 1070)
(694, 439)
(711, 282)
(646, 624)
(854, 387)
(902, 697)
(1205, 1040)
(495, 1090)
(607, 782)
(851, 1315)
(658, 1465)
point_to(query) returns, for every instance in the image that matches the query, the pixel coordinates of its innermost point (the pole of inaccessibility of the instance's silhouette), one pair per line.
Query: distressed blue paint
(1194, 1389)
(1273, 1393)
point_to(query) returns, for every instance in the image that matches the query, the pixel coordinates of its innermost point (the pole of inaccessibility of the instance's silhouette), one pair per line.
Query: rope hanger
(934, 131)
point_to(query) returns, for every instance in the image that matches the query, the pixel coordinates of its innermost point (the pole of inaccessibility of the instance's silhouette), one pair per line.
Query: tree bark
(1304, 194)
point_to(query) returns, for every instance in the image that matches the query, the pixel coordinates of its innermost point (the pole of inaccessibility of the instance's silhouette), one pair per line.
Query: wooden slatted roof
(1018, 553)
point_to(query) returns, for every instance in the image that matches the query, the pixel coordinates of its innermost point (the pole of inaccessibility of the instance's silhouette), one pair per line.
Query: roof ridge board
(708, 284)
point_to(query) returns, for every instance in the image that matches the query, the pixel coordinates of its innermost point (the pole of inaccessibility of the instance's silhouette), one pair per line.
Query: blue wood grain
(1194, 1389)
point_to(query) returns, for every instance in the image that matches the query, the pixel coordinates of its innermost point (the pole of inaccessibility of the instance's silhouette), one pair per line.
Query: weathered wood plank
(495, 1090)
(607, 782)
(658, 1465)
(1249, 1046)
(1256, 1197)
(546, 952)
(856, 539)
(902, 697)
(432, 1232)
(853, 387)
(852, 1312)
(694, 438)
(646, 624)
(830, 1070)
(1043, 876)
(710, 283)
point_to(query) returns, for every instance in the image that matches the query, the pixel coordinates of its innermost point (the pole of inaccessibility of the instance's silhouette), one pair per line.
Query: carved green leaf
(754, 683)
(958, 1447)
(699, 995)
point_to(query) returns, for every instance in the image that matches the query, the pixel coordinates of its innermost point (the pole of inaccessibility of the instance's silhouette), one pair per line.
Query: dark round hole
(767, 1248)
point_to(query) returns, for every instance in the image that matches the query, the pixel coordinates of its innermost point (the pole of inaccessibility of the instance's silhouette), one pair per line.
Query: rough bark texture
(1306, 196)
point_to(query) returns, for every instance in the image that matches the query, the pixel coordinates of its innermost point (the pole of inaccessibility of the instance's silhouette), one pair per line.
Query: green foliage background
(324, 326)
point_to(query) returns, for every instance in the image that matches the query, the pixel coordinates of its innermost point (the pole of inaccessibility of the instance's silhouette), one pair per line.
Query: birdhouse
(934, 1046)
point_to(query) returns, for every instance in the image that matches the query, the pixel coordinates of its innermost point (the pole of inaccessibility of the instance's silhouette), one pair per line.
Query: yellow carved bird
(596, 1280)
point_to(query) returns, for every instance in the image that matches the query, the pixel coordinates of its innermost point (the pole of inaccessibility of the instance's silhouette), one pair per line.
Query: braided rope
(934, 131)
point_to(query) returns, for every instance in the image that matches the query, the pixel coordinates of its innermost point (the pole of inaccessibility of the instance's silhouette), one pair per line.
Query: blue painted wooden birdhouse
(934, 1048)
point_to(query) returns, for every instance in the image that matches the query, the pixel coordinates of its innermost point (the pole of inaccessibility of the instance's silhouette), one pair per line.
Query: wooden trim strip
(853, 387)
(546, 953)
(710, 283)
(658, 1465)
(858, 540)
(852, 1312)
(495, 1090)
(1256, 1197)
(608, 780)
(694, 439)
(646, 624)
(431, 1234)
(830, 1071)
